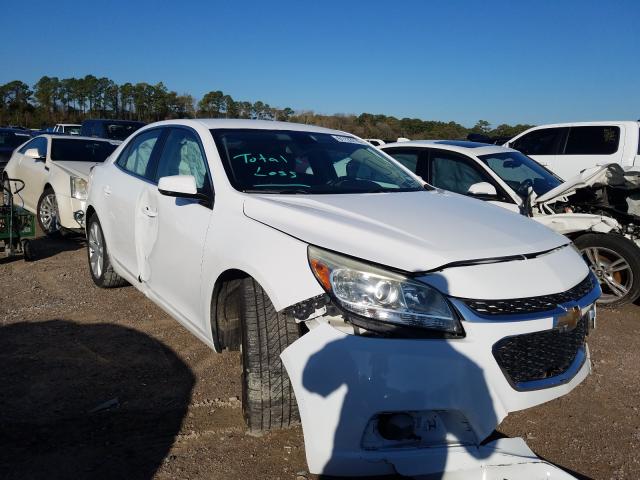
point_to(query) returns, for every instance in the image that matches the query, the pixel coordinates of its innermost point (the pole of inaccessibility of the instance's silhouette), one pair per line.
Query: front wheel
(268, 400)
(48, 216)
(615, 261)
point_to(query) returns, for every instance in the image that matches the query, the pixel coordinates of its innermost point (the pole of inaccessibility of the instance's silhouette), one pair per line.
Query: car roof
(77, 137)
(219, 123)
(69, 124)
(17, 131)
(587, 124)
(460, 146)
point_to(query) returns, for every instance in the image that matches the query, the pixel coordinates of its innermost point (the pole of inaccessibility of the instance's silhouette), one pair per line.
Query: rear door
(587, 147)
(543, 145)
(171, 238)
(132, 174)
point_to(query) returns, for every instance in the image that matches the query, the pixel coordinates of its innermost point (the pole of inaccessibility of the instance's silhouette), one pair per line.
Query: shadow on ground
(87, 401)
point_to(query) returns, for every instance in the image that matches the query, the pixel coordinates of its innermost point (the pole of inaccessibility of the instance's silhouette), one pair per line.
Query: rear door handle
(149, 212)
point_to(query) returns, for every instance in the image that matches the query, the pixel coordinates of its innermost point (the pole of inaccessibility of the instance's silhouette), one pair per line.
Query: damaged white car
(598, 209)
(410, 321)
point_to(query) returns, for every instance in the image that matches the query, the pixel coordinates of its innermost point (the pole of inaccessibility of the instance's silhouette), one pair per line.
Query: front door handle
(107, 190)
(149, 212)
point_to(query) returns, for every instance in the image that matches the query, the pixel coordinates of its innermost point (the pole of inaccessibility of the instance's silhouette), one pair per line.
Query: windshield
(283, 161)
(120, 131)
(73, 150)
(521, 172)
(12, 140)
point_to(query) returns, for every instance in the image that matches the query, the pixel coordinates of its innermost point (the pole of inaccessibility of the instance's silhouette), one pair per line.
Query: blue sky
(503, 61)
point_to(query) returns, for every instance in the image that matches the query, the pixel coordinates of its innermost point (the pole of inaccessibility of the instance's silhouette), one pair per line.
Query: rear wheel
(100, 266)
(615, 261)
(268, 400)
(48, 217)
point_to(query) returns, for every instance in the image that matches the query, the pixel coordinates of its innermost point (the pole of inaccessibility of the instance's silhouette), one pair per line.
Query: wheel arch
(225, 322)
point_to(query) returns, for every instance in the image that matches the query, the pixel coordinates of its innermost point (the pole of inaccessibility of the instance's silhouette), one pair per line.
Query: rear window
(81, 150)
(12, 140)
(595, 140)
(120, 131)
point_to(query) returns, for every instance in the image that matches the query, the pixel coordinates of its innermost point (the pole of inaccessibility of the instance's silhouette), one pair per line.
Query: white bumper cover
(342, 381)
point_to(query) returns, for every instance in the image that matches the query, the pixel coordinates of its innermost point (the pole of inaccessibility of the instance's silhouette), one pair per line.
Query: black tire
(27, 251)
(604, 253)
(105, 276)
(268, 401)
(49, 229)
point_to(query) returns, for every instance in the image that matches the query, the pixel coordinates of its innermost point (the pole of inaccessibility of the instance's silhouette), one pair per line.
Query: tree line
(70, 100)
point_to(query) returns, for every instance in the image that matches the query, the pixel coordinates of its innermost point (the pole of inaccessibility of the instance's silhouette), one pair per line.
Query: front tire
(268, 401)
(48, 216)
(100, 266)
(615, 261)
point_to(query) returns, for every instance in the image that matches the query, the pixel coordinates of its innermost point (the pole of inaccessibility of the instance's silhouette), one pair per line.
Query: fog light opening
(397, 426)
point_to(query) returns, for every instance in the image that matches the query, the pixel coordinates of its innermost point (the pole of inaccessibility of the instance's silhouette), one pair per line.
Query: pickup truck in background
(569, 148)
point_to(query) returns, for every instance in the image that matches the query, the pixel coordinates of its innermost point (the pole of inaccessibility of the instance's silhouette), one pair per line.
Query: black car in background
(111, 129)
(10, 138)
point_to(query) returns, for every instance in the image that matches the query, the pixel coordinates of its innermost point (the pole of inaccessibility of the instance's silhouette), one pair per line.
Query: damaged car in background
(598, 209)
(55, 170)
(388, 307)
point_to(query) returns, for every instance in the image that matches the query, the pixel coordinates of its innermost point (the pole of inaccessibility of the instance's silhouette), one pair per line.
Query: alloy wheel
(96, 250)
(48, 213)
(612, 271)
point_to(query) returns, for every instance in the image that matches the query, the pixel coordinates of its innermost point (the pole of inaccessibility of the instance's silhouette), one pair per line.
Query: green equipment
(17, 225)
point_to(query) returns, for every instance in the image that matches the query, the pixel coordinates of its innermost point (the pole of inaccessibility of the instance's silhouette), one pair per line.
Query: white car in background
(392, 305)
(67, 128)
(510, 179)
(569, 148)
(55, 170)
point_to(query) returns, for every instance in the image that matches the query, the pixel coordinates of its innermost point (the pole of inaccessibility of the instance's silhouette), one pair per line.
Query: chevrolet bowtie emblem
(569, 320)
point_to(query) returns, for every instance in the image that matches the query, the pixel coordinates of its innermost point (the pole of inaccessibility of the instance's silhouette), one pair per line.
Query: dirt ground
(103, 384)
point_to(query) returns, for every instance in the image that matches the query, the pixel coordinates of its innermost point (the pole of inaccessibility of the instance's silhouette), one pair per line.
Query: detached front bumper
(455, 391)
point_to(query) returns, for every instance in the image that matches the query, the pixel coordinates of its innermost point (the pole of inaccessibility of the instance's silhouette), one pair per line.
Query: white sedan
(512, 180)
(387, 306)
(55, 169)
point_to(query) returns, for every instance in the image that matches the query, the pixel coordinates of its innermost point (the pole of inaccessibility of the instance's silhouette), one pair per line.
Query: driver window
(182, 155)
(451, 172)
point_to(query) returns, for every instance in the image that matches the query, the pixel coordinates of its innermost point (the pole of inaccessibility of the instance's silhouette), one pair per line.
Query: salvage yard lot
(103, 384)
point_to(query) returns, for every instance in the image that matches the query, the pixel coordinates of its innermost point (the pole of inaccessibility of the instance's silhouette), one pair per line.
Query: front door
(32, 172)
(171, 240)
(123, 190)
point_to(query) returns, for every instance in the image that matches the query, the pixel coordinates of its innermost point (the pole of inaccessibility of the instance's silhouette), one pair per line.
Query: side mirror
(182, 186)
(178, 186)
(482, 189)
(33, 153)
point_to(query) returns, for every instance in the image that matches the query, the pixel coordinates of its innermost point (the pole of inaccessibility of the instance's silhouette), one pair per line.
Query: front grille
(539, 355)
(542, 303)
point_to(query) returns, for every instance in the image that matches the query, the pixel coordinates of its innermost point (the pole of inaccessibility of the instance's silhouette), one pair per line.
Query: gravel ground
(103, 384)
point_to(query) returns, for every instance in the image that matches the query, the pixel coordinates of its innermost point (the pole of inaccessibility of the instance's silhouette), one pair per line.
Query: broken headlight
(391, 299)
(78, 188)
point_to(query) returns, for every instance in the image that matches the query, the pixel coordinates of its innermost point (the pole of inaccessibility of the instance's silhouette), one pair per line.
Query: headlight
(79, 188)
(389, 298)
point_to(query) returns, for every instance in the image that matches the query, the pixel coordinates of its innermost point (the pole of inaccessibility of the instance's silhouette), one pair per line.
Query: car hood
(412, 231)
(611, 174)
(78, 169)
